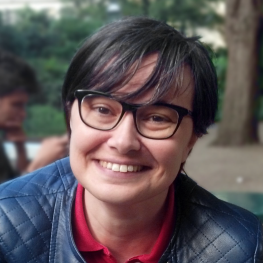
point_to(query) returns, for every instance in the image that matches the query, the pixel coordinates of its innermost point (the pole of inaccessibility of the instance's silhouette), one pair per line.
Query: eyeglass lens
(153, 121)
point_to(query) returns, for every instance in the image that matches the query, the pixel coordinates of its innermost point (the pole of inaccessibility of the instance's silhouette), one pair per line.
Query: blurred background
(47, 33)
(230, 158)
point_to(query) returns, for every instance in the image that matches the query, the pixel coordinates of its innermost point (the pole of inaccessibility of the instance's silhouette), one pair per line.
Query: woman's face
(97, 156)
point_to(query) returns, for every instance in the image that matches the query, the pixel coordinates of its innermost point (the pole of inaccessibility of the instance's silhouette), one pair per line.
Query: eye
(157, 115)
(18, 105)
(102, 110)
(99, 106)
(158, 118)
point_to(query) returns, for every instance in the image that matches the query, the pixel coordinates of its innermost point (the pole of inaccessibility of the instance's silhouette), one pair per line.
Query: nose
(21, 115)
(125, 138)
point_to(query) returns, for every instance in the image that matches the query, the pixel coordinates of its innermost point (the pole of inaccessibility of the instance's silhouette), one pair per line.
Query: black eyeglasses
(102, 111)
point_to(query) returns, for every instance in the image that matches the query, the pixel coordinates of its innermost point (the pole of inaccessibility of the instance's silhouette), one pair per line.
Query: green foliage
(34, 30)
(260, 109)
(129, 8)
(10, 39)
(184, 14)
(48, 44)
(261, 55)
(70, 33)
(95, 10)
(44, 120)
(260, 81)
(51, 72)
(220, 62)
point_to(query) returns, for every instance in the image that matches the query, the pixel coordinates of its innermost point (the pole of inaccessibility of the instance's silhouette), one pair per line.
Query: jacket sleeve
(2, 259)
(258, 258)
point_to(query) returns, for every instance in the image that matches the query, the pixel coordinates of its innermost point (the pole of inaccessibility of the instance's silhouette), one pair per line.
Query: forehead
(142, 74)
(181, 87)
(16, 96)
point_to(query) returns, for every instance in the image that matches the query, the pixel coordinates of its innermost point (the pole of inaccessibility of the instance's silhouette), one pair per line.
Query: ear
(189, 146)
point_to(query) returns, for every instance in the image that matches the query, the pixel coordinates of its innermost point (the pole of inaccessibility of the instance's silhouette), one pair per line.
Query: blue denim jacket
(35, 222)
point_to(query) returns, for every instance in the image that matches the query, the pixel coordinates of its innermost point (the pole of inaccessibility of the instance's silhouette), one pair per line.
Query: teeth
(104, 164)
(130, 168)
(123, 168)
(115, 167)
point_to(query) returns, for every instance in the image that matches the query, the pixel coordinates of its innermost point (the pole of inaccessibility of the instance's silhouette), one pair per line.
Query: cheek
(170, 154)
(169, 157)
(80, 152)
(7, 112)
(13, 109)
(83, 140)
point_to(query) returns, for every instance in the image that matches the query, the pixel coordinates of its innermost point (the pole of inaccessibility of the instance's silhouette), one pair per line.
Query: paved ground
(226, 169)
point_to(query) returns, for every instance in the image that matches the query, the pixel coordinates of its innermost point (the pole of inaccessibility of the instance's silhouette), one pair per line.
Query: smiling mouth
(123, 168)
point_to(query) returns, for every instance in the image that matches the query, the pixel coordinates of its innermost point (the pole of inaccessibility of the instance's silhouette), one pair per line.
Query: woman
(137, 96)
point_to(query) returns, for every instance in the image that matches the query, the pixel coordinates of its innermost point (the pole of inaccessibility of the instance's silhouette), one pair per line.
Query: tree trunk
(238, 125)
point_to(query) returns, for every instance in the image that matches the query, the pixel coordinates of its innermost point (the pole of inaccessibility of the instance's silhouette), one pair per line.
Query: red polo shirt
(94, 252)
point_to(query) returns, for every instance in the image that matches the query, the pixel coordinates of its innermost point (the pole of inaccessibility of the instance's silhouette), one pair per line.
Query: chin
(116, 195)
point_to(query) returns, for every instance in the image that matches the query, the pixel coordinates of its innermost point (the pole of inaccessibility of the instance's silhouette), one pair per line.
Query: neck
(136, 228)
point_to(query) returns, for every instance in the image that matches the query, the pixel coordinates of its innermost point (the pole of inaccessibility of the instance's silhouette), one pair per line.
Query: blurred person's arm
(51, 149)
(18, 137)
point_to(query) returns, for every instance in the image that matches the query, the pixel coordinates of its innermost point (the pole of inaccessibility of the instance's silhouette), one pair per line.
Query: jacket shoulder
(225, 231)
(30, 210)
(53, 178)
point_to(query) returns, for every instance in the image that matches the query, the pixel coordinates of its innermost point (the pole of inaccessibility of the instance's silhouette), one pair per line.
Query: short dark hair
(16, 74)
(108, 59)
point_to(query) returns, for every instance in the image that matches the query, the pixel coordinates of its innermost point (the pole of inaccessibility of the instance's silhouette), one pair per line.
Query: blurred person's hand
(51, 149)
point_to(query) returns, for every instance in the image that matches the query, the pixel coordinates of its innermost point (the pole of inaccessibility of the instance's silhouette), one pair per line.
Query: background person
(137, 96)
(18, 82)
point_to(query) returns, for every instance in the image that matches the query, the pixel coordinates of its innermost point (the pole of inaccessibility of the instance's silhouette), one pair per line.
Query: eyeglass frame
(181, 111)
